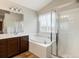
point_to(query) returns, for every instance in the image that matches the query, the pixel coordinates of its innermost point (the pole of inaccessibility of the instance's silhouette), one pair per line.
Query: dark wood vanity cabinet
(3, 48)
(13, 46)
(24, 43)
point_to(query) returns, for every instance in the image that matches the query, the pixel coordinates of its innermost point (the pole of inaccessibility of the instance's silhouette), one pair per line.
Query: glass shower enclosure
(62, 27)
(67, 36)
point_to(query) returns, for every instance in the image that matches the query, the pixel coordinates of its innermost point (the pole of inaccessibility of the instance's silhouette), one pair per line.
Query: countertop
(4, 36)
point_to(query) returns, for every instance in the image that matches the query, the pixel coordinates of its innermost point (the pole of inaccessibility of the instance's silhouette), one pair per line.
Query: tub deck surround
(40, 49)
(40, 46)
(42, 39)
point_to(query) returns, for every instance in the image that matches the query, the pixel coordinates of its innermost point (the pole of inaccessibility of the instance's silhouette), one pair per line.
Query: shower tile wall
(69, 33)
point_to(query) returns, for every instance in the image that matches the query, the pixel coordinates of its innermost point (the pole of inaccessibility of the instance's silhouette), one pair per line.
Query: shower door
(54, 24)
(68, 42)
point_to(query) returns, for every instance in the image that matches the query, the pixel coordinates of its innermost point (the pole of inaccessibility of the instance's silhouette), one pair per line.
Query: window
(46, 21)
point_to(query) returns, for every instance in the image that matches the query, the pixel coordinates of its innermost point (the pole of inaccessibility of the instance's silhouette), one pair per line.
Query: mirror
(12, 23)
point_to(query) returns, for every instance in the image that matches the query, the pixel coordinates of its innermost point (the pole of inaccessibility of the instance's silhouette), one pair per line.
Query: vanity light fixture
(16, 9)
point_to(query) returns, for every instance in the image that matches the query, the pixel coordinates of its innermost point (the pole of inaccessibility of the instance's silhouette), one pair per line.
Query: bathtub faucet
(45, 42)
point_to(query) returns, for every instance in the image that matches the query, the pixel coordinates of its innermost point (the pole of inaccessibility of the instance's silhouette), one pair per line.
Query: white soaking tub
(40, 46)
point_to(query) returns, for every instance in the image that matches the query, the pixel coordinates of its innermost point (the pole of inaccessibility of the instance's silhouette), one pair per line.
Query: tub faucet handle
(45, 42)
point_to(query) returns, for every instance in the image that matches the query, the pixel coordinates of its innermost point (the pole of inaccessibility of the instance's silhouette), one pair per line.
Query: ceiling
(33, 4)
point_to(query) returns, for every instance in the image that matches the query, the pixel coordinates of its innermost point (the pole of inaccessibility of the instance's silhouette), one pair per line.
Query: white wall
(30, 17)
(30, 22)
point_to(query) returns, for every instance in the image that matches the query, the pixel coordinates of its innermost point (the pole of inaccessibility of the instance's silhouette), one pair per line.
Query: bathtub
(40, 46)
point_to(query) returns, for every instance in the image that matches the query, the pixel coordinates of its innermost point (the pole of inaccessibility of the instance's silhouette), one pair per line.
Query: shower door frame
(57, 32)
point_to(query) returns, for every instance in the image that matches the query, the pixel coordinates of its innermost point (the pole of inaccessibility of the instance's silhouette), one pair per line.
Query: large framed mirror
(10, 22)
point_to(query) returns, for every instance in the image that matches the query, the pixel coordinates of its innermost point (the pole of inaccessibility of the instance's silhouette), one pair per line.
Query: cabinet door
(24, 43)
(12, 46)
(3, 48)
